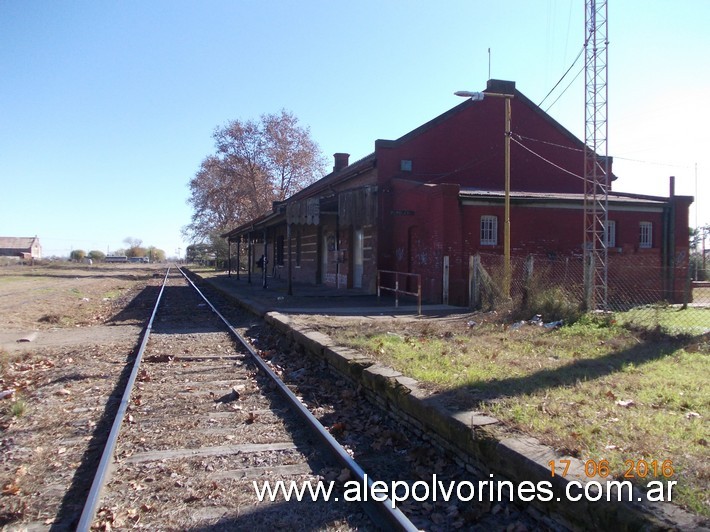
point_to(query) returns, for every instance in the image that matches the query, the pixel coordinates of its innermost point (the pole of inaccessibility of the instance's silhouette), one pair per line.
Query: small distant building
(24, 248)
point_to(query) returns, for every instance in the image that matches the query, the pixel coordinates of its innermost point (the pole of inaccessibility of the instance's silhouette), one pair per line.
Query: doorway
(358, 253)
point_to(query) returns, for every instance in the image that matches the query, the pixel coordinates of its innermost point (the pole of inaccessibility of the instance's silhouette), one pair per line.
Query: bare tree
(132, 242)
(217, 198)
(255, 164)
(293, 158)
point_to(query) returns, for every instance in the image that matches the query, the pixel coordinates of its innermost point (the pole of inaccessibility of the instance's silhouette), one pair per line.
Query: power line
(549, 143)
(565, 89)
(671, 165)
(546, 160)
(560, 80)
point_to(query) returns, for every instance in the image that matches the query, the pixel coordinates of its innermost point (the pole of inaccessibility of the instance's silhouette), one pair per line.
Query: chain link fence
(551, 288)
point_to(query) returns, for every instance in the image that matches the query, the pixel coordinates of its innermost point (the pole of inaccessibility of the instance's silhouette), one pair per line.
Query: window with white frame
(610, 233)
(489, 230)
(646, 235)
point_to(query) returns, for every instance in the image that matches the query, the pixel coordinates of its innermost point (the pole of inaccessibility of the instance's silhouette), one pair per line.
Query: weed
(50, 318)
(18, 408)
(552, 304)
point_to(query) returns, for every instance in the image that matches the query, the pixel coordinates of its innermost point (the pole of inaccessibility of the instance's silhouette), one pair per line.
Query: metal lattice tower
(596, 162)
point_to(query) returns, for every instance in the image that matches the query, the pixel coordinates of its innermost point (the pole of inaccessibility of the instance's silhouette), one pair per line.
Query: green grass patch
(594, 390)
(669, 319)
(76, 292)
(113, 294)
(18, 408)
(10, 278)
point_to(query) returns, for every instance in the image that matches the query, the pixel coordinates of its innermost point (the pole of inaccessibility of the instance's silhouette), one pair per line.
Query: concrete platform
(318, 299)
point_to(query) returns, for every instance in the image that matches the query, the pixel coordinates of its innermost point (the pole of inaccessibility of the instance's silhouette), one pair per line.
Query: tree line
(134, 248)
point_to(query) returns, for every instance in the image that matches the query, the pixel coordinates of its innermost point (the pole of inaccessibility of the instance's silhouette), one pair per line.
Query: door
(358, 246)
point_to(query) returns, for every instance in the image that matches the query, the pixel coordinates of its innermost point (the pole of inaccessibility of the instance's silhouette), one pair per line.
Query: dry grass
(66, 294)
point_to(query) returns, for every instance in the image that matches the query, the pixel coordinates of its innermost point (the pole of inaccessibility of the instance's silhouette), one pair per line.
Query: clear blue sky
(107, 108)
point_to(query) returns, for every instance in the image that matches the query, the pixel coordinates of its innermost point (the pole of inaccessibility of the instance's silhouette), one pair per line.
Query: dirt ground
(46, 298)
(66, 332)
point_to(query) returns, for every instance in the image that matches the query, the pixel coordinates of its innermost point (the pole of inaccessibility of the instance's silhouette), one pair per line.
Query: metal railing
(397, 290)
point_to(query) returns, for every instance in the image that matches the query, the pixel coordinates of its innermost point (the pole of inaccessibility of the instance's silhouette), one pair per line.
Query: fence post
(589, 283)
(529, 268)
(688, 292)
(396, 290)
(470, 281)
(475, 281)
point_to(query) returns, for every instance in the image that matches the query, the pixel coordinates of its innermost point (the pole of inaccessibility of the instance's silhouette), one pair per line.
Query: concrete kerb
(519, 459)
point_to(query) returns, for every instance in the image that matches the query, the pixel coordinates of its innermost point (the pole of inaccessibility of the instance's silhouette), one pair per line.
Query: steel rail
(94, 497)
(393, 516)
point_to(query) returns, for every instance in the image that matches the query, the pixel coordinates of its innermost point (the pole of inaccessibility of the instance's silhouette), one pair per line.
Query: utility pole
(478, 96)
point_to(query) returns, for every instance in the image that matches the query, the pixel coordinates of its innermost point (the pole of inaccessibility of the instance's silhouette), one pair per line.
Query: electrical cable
(548, 142)
(546, 160)
(563, 77)
(654, 163)
(565, 89)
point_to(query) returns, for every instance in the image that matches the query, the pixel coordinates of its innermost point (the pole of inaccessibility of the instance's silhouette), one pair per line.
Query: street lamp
(476, 97)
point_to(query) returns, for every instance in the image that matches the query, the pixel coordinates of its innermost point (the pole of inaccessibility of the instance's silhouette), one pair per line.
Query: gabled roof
(495, 86)
(335, 178)
(12, 242)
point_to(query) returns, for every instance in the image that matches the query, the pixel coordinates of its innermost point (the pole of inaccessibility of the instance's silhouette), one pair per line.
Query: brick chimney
(341, 161)
(500, 86)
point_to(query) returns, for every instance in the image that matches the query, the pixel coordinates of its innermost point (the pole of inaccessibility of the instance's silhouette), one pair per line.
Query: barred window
(646, 235)
(489, 230)
(610, 234)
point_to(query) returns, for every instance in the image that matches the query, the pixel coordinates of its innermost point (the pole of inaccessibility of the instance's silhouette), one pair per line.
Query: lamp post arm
(478, 96)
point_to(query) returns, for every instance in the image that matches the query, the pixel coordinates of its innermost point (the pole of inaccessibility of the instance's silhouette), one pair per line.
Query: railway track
(206, 420)
(201, 419)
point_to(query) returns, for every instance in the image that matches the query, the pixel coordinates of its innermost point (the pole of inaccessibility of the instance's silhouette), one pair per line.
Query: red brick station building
(428, 201)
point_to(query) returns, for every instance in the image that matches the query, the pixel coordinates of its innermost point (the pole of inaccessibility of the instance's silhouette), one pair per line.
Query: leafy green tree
(698, 258)
(96, 255)
(219, 248)
(77, 255)
(198, 252)
(136, 252)
(134, 247)
(155, 254)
